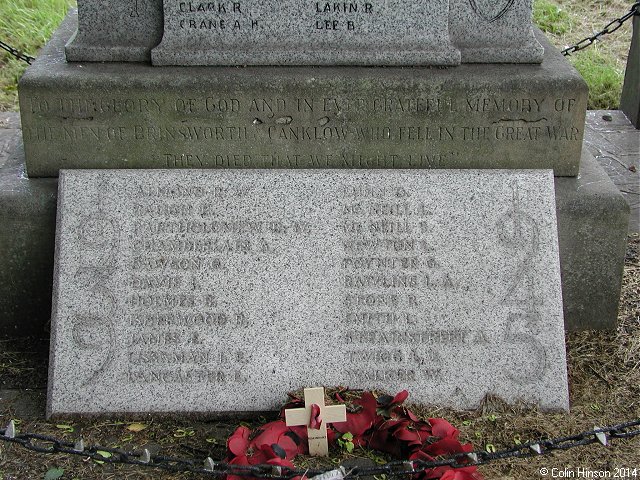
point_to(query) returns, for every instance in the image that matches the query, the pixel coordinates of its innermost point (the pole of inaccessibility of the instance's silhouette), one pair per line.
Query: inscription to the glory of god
(214, 131)
(185, 280)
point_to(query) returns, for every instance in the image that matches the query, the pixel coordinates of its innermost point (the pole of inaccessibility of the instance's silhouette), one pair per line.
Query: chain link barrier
(16, 53)
(610, 28)
(51, 445)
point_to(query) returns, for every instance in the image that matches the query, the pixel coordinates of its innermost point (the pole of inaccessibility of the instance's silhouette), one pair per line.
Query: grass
(604, 78)
(27, 24)
(551, 18)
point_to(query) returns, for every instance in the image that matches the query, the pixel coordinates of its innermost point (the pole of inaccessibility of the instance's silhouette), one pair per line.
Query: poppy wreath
(380, 423)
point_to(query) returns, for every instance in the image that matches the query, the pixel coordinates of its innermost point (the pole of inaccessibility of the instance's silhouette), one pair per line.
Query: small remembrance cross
(318, 445)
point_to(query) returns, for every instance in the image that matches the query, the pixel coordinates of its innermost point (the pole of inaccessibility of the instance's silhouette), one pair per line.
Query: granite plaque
(211, 291)
(295, 32)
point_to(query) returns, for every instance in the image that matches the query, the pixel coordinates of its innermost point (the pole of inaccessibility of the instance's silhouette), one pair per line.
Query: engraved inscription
(93, 328)
(180, 242)
(519, 233)
(341, 15)
(219, 16)
(325, 131)
(386, 263)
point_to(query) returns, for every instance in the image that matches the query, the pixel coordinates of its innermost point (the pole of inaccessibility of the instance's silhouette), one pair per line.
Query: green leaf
(136, 427)
(66, 428)
(103, 454)
(54, 473)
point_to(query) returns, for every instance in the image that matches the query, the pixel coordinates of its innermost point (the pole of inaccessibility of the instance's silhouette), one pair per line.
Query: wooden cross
(318, 445)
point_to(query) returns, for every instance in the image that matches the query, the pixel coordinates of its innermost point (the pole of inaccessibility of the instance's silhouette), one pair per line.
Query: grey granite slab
(210, 291)
(295, 32)
(494, 31)
(117, 115)
(116, 31)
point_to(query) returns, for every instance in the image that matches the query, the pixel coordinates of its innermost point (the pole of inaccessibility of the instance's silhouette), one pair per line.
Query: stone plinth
(27, 233)
(220, 291)
(138, 116)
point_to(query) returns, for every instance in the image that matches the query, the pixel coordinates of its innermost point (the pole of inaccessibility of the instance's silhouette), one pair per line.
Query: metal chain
(16, 53)
(49, 445)
(610, 28)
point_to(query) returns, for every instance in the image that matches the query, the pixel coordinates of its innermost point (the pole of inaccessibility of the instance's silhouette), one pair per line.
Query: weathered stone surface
(494, 31)
(138, 116)
(220, 291)
(117, 31)
(593, 219)
(294, 32)
(615, 144)
(27, 231)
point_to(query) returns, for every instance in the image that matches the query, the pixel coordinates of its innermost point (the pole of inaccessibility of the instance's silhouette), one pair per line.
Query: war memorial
(254, 197)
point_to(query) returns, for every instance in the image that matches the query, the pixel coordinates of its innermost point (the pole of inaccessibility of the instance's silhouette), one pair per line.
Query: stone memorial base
(117, 115)
(592, 229)
(27, 234)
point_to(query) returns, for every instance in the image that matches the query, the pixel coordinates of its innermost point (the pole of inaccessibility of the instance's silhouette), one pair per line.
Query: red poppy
(359, 423)
(467, 473)
(441, 428)
(383, 424)
(315, 422)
